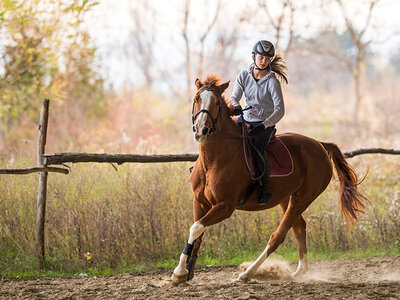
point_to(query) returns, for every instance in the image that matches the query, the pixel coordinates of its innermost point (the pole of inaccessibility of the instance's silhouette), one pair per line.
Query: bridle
(213, 121)
(213, 129)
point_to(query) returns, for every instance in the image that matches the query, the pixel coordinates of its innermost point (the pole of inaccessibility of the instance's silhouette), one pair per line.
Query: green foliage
(138, 218)
(46, 54)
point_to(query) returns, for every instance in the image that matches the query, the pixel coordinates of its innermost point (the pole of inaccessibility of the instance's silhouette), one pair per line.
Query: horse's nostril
(205, 130)
(194, 128)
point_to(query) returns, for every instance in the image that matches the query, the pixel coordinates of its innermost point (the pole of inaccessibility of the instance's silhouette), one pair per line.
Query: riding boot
(264, 194)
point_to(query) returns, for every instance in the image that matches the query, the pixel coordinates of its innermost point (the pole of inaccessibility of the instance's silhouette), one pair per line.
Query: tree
(27, 59)
(203, 45)
(354, 59)
(185, 37)
(281, 20)
(207, 29)
(142, 38)
(45, 54)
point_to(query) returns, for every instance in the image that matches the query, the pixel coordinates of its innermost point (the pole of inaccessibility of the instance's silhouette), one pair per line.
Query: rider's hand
(237, 110)
(257, 130)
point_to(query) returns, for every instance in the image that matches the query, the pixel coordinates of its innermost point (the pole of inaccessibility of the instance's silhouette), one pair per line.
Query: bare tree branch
(204, 36)
(371, 8)
(356, 67)
(142, 38)
(186, 13)
(277, 21)
(291, 30)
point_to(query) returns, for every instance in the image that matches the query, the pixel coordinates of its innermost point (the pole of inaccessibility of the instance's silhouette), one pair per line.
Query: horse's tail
(352, 201)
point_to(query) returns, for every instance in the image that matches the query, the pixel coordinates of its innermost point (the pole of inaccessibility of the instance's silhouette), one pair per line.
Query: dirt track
(372, 278)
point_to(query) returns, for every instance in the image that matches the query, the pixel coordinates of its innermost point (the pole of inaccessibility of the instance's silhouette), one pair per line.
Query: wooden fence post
(41, 200)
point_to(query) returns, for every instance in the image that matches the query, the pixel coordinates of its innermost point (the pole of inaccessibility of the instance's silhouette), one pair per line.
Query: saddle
(279, 157)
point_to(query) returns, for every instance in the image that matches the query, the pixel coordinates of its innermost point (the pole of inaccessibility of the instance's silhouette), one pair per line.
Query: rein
(248, 160)
(244, 135)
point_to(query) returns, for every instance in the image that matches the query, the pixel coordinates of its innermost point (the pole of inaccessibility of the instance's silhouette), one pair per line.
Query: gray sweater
(265, 97)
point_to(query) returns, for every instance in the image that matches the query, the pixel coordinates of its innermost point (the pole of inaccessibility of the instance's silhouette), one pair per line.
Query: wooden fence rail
(371, 151)
(44, 160)
(34, 170)
(59, 158)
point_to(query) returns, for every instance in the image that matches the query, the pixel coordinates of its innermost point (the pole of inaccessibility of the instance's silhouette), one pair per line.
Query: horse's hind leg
(293, 212)
(299, 230)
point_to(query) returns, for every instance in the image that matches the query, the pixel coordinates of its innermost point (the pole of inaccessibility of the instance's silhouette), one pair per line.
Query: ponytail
(278, 65)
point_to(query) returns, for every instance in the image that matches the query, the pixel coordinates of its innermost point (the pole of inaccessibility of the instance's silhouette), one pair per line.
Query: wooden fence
(44, 160)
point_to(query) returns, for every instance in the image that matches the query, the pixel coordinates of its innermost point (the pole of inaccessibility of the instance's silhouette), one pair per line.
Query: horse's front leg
(191, 261)
(216, 214)
(181, 274)
(185, 269)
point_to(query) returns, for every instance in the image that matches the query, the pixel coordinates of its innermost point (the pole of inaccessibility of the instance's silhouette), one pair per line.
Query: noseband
(214, 121)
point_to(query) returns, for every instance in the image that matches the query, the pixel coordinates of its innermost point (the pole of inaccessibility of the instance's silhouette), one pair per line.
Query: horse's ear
(198, 83)
(223, 87)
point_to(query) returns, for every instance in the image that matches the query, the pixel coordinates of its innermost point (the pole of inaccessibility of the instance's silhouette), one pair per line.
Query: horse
(220, 177)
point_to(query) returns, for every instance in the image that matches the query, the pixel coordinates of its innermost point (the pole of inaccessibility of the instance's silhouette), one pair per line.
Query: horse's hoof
(243, 277)
(179, 279)
(299, 273)
(302, 269)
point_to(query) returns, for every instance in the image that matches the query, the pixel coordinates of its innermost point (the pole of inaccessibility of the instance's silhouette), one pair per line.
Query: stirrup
(263, 198)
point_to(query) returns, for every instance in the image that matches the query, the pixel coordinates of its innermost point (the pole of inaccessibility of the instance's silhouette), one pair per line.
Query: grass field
(102, 221)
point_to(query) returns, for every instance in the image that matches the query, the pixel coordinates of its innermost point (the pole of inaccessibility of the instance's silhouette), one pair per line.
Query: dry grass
(143, 212)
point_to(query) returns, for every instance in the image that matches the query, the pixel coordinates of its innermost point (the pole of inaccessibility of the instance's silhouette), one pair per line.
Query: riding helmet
(264, 48)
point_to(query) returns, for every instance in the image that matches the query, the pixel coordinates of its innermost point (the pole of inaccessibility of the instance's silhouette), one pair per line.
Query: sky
(110, 25)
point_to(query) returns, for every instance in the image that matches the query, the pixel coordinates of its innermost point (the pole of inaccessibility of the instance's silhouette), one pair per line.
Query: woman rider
(264, 100)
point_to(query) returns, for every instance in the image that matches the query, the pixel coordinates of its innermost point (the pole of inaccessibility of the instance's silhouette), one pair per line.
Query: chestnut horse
(220, 177)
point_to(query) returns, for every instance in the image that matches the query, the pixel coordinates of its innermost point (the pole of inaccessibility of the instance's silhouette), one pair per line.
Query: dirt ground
(370, 278)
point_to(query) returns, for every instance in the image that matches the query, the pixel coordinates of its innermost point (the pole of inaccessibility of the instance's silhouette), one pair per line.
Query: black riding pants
(262, 139)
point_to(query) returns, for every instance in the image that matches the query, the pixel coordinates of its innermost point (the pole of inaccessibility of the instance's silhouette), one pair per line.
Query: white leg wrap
(195, 231)
(302, 267)
(180, 270)
(252, 269)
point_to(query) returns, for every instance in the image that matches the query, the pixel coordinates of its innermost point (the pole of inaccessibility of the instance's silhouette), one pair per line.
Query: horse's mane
(215, 80)
(212, 80)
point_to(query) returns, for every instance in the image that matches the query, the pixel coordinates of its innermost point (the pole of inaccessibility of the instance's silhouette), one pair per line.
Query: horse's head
(207, 107)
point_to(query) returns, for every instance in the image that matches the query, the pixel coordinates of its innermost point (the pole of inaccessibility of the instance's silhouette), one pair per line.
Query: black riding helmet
(264, 48)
